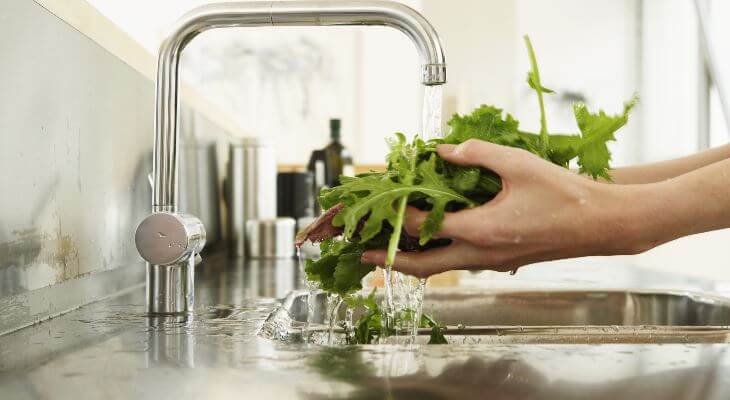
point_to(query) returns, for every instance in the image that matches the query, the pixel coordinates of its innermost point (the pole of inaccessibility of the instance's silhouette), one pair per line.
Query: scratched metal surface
(75, 150)
(76, 142)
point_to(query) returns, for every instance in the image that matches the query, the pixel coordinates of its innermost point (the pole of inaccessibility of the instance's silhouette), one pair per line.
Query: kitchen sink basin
(535, 316)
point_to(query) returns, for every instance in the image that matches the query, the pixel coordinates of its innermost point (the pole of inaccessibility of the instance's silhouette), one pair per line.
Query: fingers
(455, 225)
(419, 264)
(458, 255)
(414, 219)
(500, 159)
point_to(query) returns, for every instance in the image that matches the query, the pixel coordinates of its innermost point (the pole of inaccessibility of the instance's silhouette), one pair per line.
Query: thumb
(503, 160)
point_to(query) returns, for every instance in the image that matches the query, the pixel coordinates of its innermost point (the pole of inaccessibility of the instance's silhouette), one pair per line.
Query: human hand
(544, 212)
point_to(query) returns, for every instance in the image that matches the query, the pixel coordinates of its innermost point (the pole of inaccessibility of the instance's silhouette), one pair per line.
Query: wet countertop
(112, 350)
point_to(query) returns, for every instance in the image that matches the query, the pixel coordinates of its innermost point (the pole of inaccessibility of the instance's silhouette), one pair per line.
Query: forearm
(696, 202)
(660, 171)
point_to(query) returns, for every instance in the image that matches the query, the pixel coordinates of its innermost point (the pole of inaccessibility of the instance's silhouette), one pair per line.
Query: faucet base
(170, 288)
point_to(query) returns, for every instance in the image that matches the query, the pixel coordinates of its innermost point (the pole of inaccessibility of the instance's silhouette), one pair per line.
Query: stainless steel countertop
(111, 350)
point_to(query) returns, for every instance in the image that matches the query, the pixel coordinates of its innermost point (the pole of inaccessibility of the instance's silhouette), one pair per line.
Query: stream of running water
(403, 301)
(403, 304)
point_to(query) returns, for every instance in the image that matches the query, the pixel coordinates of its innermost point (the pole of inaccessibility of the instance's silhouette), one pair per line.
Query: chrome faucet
(169, 241)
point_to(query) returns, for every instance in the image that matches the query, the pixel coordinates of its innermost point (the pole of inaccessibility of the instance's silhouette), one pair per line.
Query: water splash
(349, 328)
(404, 294)
(311, 297)
(420, 291)
(334, 302)
(389, 307)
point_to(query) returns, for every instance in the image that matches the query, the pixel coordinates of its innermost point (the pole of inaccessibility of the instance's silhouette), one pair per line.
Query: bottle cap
(335, 125)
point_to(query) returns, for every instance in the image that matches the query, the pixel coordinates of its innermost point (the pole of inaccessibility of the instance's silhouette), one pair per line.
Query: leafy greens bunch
(375, 203)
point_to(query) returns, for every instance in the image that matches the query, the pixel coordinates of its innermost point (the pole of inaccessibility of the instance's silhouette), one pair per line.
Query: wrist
(635, 218)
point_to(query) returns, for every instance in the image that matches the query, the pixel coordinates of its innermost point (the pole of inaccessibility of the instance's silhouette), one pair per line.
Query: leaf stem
(410, 152)
(395, 236)
(544, 137)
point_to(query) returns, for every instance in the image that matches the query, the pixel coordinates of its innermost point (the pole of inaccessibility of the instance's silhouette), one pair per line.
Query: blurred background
(78, 136)
(286, 85)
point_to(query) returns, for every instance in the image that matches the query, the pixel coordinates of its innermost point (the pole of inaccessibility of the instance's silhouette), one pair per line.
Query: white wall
(481, 47)
(671, 77)
(585, 47)
(389, 90)
(720, 31)
(285, 84)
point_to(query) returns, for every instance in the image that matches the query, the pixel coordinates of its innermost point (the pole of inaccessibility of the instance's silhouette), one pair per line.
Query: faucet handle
(164, 238)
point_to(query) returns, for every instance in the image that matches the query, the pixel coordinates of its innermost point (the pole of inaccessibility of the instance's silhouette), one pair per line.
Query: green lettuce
(375, 203)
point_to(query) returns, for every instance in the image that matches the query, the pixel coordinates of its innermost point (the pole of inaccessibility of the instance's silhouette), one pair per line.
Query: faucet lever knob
(164, 238)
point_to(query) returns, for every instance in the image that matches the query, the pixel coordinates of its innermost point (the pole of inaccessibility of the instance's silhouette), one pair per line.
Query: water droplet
(460, 327)
(517, 239)
(160, 234)
(513, 272)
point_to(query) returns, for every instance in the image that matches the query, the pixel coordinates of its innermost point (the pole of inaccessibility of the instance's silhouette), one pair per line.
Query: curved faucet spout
(276, 13)
(170, 241)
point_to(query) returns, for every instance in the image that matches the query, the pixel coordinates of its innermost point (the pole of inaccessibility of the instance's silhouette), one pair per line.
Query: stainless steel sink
(560, 316)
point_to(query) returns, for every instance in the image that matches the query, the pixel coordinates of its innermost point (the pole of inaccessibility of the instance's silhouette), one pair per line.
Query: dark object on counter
(328, 164)
(338, 160)
(294, 194)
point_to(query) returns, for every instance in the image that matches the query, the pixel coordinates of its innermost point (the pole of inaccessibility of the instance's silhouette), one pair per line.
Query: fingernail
(366, 258)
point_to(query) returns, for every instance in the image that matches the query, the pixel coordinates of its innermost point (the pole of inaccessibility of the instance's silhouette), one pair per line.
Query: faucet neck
(274, 13)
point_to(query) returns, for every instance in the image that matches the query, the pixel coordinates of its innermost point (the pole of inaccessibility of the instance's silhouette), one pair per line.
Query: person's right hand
(544, 212)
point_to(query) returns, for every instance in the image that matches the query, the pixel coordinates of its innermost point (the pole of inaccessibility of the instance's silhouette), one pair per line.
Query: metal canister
(199, 186)
(294, 194)
(270, 238)
(250, 188)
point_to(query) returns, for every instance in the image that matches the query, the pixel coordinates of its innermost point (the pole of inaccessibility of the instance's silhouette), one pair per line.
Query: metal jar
(250, 188)
(270, 238)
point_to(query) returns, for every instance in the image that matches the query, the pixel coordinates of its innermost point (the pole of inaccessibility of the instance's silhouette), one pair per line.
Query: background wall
(76, 132)
(286, 83)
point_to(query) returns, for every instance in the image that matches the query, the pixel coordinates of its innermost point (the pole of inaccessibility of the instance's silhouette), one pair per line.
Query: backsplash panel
(75, 150)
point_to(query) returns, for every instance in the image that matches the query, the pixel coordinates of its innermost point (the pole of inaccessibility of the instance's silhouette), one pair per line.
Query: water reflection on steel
(170, 341)
(114, 350)
(545, 316)
(500, 376)
(263, 278)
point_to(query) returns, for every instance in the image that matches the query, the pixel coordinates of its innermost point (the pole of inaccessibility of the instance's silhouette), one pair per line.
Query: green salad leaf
(374, 204)
(533, 79)
(597, 129)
